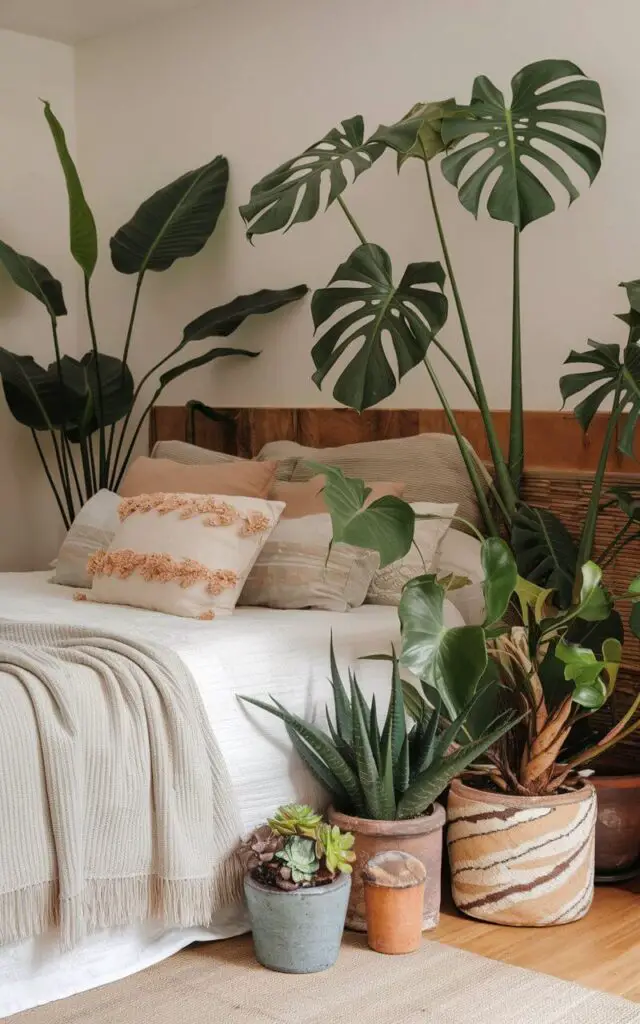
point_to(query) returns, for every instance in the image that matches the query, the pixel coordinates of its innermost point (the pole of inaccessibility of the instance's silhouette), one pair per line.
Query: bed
(287, 656)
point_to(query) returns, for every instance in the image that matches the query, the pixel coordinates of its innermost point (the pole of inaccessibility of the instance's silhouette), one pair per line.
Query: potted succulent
(385, 782)
(297, 889)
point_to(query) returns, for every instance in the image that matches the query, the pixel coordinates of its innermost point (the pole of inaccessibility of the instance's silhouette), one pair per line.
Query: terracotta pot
(618, 824)
(522, 860)
(421, 837)
(394, 899)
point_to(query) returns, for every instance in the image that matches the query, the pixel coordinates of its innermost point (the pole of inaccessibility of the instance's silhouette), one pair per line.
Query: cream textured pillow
(430, 465)
(293, 571)
(92, 529)
(155, 476)
(386, 585)
(184, 554)
(460, 554)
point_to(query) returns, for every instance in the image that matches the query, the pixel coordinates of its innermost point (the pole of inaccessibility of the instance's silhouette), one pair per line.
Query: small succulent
(295, 820)
(259, 848)
(335, 847)
(299, 857)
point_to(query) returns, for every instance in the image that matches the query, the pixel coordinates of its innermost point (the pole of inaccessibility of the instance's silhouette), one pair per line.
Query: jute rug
(221, 983)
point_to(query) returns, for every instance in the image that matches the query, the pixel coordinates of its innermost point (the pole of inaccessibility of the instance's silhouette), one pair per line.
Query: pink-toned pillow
(154, 476)
(306, 499)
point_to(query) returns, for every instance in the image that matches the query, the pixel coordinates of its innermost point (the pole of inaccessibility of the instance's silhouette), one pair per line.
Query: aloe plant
(396, 771)
(77, 402)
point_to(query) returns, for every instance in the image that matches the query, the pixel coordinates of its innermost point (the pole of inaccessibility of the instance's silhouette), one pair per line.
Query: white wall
(33, 219)
(260, 82)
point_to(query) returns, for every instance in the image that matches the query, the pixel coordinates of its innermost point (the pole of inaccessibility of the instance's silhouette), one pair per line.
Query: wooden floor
(602, 951)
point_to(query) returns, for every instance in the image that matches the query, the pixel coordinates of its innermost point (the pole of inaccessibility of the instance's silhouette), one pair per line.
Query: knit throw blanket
(115, 802)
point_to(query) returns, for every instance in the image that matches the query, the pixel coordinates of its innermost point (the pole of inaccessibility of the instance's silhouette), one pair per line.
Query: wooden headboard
(558, 472)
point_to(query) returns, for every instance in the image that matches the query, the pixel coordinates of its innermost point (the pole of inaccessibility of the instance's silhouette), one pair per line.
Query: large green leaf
(545, 550)
(106, 396)
(385, 526)
(555, 117)
(291, 194)
(221, 321)
(174, 222)
(500, 578)
(424, 138)
(409, 313)
(202, 360)
(83, 237)
(30, 275)
(616, 372)
(452, 660)
(34, 394)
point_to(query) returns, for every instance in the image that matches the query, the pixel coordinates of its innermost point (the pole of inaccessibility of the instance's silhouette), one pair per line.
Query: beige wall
(33, 219)
(260, 82)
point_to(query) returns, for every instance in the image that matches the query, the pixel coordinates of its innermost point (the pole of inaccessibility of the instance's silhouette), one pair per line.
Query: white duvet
(256, 651)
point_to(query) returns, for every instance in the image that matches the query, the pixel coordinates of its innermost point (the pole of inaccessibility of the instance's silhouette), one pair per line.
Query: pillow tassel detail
(160, 568)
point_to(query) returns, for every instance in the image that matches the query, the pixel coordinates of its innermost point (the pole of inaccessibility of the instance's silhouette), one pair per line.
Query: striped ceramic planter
(522, 860)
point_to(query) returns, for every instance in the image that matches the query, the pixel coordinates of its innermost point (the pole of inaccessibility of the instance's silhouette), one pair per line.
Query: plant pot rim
(309, 890)
(583, 791)
(420, 826)
(619, 781)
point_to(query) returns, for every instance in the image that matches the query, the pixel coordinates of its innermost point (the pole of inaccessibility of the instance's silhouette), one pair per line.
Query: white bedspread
(255, 652)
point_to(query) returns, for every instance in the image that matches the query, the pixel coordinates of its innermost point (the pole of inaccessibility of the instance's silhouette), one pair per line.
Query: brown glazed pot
(421, 837)
(618, 824)
(522, 860)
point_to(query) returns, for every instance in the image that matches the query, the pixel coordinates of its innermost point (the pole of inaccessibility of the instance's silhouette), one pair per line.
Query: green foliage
(31, 276)
(398, 770)
(295, 820)
(552, 103)
(336, 847)
(545, 551)
(299, 856)
(411, 313)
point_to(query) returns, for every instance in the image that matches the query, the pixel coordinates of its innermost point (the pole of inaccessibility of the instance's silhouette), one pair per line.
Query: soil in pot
(421, 837)
(618, 824)
(297, 932)
(525, 861)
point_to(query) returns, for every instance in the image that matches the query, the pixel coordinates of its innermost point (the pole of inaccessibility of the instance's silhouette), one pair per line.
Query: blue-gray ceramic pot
(298, 932)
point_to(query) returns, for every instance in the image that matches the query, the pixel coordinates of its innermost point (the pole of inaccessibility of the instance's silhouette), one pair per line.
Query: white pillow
(93, 528)
(386, 586)
(460, 554)
(184, 554)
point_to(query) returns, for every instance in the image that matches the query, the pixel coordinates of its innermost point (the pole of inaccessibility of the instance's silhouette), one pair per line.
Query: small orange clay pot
(394, 896)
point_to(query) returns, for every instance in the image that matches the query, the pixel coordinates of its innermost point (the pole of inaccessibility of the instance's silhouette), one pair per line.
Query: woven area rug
(221, 983)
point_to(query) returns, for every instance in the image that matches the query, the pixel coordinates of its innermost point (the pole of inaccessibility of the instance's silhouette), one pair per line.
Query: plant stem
(502, 474)
(467, 457)
(87, 470)
(125, 356)
(588, 535)
(516, 426)
(456, 366)
(353, 222)
(51, 480)
(127, 419)
(118, 478)
(609, 552)
(66, 481)
(94, 345)
(66, 443)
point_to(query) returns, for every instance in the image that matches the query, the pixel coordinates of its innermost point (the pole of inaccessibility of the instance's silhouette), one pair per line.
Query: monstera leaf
(555, 116)
(291, 194)
(617, 373)
(30, 275)
(545, 551)
(451, 660)
(174, 222)
(425, 142)
(410, 313)
(386, 525)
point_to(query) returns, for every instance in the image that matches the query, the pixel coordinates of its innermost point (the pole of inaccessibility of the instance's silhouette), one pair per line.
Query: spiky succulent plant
(335, 847)
(299, 856)
(295, 820)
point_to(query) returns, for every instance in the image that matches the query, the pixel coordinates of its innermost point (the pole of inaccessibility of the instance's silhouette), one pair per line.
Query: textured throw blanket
(115, 802)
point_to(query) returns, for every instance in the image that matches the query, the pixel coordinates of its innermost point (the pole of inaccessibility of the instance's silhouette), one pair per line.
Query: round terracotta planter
(421, 837)
(618, 824)
(525, 861)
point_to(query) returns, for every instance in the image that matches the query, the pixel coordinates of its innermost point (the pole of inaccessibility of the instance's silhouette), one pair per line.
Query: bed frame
(558, 474)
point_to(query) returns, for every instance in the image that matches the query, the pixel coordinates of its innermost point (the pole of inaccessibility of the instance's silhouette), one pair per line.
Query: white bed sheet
(255, 652)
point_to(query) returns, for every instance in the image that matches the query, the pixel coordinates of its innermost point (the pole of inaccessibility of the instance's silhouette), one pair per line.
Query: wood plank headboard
(558, 472)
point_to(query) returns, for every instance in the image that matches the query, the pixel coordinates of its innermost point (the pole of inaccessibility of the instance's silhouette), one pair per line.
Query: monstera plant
(86, 405)
(506, 156)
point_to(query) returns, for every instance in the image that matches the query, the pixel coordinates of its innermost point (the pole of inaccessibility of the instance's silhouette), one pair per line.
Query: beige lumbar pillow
(422, 557)
(155, 476)
(299, 567)
(184, 554)
(307, 499)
